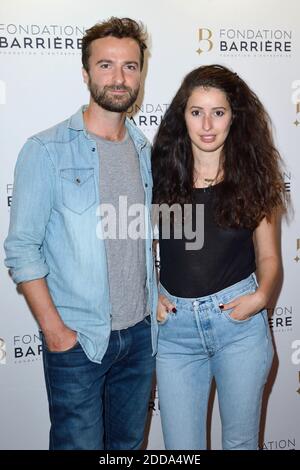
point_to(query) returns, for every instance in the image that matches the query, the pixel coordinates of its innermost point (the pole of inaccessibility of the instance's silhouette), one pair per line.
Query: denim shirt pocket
(78, 188)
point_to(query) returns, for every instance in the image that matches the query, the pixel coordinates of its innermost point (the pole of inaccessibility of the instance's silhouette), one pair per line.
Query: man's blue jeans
(198, 343)
(101, 406)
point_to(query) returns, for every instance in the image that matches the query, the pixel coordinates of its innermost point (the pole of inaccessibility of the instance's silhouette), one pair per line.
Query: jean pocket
(66, 351)
(78, 189)
(76, 345)
(227, 314)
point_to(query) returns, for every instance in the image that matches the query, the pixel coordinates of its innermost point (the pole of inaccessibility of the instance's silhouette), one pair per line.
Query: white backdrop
(41, 84)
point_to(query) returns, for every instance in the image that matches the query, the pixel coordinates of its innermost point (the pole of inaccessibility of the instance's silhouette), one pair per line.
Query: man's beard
(111, 102)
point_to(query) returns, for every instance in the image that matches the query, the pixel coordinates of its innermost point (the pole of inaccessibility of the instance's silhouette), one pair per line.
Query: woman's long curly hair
(253, 184)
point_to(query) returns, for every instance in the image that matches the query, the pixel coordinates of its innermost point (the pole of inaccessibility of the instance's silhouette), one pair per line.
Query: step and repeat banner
(41, 84)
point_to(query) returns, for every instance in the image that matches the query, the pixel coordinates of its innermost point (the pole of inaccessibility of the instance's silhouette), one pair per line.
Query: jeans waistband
(236, 290)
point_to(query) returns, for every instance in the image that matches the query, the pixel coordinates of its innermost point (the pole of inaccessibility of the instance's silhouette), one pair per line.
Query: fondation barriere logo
(296, 101)
(287, 177)
(297, 257)
(245, 42)
(9, 190)
(2, 351)
(281, 318)
(295, 360)
(147, 116)
(41, 39)
(295, 357)
(205, 40)
(27, 348)
(285, 443)
(23, 348)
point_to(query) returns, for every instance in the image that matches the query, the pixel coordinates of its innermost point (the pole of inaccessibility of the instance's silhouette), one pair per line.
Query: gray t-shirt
(126, 258)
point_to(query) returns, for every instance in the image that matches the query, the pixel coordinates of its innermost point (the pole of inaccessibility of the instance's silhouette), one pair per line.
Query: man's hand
(61, 340)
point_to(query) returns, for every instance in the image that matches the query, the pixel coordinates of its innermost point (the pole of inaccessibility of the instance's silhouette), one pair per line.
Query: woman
(214, 148)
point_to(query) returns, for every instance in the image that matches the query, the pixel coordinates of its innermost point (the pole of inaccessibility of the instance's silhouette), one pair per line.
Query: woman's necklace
(206, 182)
(209, 181)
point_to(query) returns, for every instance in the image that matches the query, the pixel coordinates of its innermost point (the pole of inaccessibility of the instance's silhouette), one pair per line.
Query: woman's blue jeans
(198, 343)
(101, 406)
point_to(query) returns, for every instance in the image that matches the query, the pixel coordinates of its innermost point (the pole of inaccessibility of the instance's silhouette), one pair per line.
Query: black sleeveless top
(226, 257)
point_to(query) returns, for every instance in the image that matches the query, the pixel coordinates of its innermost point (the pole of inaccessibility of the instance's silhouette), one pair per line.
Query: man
(91, 295)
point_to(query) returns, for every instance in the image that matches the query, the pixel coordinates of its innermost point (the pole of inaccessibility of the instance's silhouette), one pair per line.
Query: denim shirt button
(93, 149)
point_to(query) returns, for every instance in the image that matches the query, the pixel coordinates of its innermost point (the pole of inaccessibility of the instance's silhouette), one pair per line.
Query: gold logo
(204, 37)
(298, 248)
(2, 351)
(296, 99)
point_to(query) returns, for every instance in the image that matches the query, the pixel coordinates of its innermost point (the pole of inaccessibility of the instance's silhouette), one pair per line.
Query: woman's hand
(164, 306)
(246, 305)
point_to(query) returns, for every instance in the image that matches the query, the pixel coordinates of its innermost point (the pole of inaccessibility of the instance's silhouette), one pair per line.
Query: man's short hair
(118, 28)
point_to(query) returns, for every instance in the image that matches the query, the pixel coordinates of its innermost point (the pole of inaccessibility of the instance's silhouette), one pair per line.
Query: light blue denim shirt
(54, 228)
